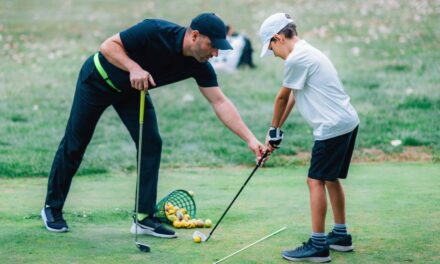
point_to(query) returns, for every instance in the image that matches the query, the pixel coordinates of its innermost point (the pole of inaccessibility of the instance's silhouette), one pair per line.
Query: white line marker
(258, 241)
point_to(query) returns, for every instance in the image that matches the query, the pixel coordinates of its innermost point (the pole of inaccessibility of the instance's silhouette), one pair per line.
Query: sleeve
(136, 37)
(295, 74)
(205, 75)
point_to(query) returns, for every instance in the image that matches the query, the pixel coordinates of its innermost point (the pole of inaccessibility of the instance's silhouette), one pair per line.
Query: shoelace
(57, 215)
(303, 247)
(156, 220)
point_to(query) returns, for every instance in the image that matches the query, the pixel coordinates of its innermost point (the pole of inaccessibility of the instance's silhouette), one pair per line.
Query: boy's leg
(318, 204)
(337, 200)
(316, 249)
(338, 239)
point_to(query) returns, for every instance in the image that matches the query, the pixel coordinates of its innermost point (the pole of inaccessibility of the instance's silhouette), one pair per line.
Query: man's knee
(153, 143)
(73, 148)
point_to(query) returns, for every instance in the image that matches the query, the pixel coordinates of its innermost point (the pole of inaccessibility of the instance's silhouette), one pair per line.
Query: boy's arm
(284, 103)
(282, 107)
(290, 105)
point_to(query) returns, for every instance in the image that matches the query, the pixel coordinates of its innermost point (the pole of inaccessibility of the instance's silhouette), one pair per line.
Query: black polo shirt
(156, 45)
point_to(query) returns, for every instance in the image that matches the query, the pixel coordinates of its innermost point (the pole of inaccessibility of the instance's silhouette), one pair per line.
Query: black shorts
(331, 157)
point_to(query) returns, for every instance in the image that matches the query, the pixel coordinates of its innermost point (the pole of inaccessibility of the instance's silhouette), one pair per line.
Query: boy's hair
(289, 30)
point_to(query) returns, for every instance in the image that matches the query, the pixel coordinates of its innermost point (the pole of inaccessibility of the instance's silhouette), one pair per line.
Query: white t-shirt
(319, 94)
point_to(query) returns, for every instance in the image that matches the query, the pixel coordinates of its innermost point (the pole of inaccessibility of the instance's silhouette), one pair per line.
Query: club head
(202, 236)
(143, 247)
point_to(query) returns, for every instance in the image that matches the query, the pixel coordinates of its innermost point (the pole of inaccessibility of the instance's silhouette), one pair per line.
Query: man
(148, 55)
(311, 81)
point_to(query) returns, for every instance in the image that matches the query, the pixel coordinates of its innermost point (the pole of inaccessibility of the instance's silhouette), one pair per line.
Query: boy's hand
(274, 138)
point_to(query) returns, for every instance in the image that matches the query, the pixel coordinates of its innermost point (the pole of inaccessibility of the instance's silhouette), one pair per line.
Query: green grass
(392, 213)
(386, 54)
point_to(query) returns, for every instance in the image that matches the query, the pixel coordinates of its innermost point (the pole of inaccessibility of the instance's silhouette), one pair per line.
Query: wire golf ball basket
(179, 198)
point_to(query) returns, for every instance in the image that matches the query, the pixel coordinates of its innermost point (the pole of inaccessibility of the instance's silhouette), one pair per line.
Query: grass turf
(392, 213)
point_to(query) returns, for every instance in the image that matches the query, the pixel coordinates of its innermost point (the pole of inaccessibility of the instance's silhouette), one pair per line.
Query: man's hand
(274, 138)
(141, 79)
(258, 149)
(114, 51)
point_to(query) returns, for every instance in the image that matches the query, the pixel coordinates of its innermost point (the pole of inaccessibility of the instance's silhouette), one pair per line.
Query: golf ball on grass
(197, 239)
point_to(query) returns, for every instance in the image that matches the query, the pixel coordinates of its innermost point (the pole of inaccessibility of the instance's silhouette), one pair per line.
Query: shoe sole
(143, 230)
(310, 259)
(341, 248)
(43, 216)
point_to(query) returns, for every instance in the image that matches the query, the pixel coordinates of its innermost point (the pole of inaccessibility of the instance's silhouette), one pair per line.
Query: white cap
(271, 26)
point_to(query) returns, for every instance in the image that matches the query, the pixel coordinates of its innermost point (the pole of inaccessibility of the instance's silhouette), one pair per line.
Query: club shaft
(141, 126)
(241, 189)
(248, 246)
(138, 179)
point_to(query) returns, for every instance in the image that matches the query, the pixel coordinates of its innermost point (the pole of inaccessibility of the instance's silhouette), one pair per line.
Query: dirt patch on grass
(404, 154)
(412, 154)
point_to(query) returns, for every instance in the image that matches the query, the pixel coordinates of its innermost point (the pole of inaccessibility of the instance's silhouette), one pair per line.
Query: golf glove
(275, 136)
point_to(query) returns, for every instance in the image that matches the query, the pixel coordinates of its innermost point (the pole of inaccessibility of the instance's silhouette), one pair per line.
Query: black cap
(212, 26)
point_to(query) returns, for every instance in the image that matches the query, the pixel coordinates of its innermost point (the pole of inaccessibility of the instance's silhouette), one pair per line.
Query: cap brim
(221, 44)
(265, 49)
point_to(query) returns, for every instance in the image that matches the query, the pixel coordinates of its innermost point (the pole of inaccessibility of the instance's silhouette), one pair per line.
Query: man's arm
(113, 50)
(228, 114)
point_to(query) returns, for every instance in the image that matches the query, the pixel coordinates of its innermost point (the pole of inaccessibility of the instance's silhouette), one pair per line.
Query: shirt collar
(178, 47)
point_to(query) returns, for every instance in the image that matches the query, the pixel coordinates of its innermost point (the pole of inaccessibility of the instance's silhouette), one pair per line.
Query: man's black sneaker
(152, 226)
(53, 219)
(339, 243)
(307, 252)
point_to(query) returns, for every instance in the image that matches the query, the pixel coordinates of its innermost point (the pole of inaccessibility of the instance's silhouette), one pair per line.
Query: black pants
(92, 97)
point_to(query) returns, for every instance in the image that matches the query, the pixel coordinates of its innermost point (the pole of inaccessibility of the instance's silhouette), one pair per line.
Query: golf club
(142, 246)
(205, 238)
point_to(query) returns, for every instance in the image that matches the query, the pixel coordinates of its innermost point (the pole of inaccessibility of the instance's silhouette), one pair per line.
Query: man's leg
(87, 107)
(80, 127)
(128, 111)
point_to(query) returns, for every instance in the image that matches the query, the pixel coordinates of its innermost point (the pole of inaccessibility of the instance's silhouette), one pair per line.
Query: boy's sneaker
(53, 219)
(307, 252)
(339, 243)
(152, 226)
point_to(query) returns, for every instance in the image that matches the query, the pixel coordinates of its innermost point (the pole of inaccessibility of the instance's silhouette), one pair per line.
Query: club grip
(142, 107)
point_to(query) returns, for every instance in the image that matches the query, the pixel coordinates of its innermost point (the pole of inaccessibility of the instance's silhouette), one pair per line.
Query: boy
(311, 81)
